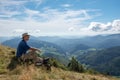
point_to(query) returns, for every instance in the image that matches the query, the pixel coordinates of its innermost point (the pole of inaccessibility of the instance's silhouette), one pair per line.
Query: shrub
(57, 64)
(74, 65)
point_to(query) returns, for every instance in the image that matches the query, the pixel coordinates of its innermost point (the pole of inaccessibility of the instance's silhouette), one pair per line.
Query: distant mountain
(2, 39)
(105, 61)
(99, 41)
(68, 44)
(12, 42)
(105, 41)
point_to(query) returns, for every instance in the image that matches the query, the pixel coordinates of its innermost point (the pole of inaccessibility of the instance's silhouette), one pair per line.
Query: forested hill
(105, 60)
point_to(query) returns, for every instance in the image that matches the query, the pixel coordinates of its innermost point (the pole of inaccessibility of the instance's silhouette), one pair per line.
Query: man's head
(25, 36)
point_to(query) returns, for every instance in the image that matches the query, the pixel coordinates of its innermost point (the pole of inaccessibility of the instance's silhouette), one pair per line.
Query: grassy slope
(34, 73)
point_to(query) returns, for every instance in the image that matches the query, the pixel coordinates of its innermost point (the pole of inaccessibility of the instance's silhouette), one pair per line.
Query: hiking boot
(38, 64)
(46, 60)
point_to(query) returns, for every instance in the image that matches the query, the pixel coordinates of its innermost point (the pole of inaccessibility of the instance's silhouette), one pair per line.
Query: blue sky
(59, 17)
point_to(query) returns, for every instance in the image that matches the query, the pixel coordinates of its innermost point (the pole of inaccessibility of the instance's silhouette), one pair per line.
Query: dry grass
(39, 73)
(34, 73)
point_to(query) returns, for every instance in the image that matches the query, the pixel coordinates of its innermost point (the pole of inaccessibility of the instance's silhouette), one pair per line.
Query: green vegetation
(53, 53)
(74, 65)
(57, 64)
(11, 69)
(105, 61)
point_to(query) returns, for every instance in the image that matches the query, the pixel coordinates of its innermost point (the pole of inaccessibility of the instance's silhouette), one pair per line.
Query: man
(26, 52)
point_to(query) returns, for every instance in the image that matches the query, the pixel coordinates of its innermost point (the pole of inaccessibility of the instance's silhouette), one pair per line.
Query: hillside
(22, 72)
(79, 47)
(105, 61)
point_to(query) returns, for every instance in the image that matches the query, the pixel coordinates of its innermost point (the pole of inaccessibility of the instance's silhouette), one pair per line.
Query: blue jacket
(22, 48)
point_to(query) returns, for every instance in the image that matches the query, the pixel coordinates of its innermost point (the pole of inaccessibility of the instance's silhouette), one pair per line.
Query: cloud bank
(16, 17)
(101, 27)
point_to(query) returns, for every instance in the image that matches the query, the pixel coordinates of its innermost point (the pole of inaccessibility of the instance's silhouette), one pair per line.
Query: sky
(59, 17)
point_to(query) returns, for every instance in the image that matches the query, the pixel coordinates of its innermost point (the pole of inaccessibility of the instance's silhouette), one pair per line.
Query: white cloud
(101, 27)
(9, 14)
(12, 2)
(44, 22)
(51, 21)
(30, 13)
(97, 28)
(37, 31)
(66, 5)
(38, 3)
(18, 30)
(71, 29)
(10, 8)
(18, 2)
(116, 25)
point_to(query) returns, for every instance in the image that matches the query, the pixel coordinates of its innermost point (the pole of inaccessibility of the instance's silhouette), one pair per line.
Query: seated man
(26, 52)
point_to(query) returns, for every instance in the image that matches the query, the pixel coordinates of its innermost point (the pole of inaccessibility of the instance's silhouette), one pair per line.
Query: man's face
(26, 38)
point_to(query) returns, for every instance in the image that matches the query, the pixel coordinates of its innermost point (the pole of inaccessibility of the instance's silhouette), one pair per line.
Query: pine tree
(74, 65)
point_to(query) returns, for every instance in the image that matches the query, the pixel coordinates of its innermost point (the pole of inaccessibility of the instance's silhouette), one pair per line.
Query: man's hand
(38, 50)
(34, 49)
